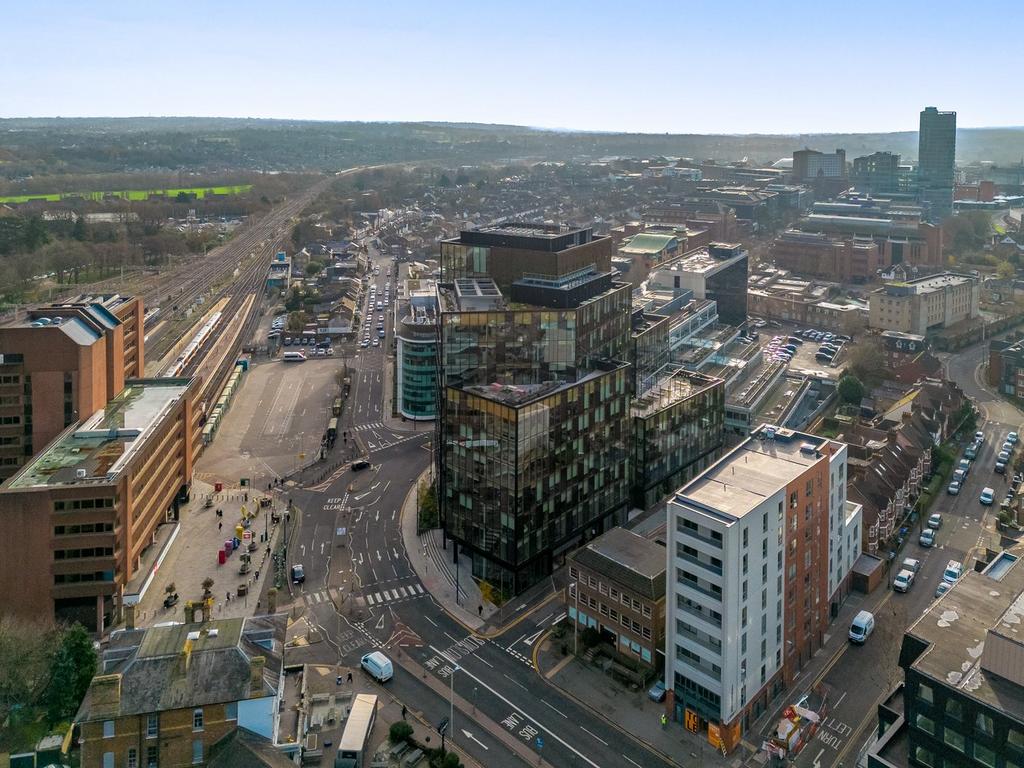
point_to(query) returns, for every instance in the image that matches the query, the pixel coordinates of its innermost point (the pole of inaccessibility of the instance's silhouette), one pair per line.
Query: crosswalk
(396, 594)
(364, 427)
(315, 598)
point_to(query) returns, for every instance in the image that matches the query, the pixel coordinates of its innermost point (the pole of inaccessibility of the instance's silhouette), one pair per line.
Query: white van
(862, 627)
(378, 666)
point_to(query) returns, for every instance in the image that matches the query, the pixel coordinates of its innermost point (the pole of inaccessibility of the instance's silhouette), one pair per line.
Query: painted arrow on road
(471, 737)
(533, 638)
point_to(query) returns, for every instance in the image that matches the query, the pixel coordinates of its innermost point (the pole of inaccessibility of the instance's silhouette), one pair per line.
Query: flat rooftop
(753, 471)
(701, 260)
(522, 394)
(927, 284)
(957, 625)
(628, 558)
(669, 388)
(102, 444)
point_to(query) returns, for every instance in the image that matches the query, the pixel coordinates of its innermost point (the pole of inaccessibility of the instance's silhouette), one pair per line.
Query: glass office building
(936, 162)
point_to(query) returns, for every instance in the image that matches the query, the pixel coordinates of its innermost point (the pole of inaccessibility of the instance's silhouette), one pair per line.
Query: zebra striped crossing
(395, 594)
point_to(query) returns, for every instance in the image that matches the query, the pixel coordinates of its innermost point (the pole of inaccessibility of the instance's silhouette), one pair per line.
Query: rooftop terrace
(101, 445)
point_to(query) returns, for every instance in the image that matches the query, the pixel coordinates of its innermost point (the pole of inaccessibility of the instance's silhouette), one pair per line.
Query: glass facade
(527, 470)
(417, 377)
(728, 287)
(677, 436)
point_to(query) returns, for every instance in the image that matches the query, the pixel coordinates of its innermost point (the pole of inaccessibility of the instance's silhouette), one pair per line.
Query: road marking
(401, 591)
(429, 619)
(379, 558)
(369, 599)
(419, 588)
(516, 682)
(817, 758)
(377, 597)
(549, 706)
(533, 638)
(634, 762)
(513, 645)
(595, 736)
(471, 737)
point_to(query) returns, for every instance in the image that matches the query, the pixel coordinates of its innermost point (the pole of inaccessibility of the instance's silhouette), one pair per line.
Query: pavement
(193, 557)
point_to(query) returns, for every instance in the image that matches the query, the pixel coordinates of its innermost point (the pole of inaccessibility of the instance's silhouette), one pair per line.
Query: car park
(935, 520)
(904, 581)
(927, 538)
(987, 496)
(287, 341)
(954, 570)
(376, 342)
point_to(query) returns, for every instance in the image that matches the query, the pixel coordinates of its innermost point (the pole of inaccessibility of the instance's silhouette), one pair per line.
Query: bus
(336, 408)
(352, 749)
(332, 430)
(293, 357)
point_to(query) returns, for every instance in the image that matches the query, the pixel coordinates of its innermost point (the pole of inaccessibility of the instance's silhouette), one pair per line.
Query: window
(152, 726)
(646, 611)
(746, 537)
(954, 709)
(955, 739)
(925, 724)
(924, 756)
(924, 693)
(108, 760)
(1015, 737)
(132, 760)
(152, 757)
(983, 723)
(197, 752)
(197, 719)
(984, 755)
(108, 729)
(231, 710)
(573, 573)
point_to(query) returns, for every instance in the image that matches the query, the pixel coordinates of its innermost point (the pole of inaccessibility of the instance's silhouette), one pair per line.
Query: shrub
(400, 731)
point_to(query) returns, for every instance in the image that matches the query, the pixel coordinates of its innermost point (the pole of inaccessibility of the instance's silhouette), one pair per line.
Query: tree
(1005, 270)
(170, 589)
(314, 268)
(207, 588)
(293, 303)
(400, 731)
(850, 390)
(73, 667)
(866, 360)
(444, 181)
(26, 652)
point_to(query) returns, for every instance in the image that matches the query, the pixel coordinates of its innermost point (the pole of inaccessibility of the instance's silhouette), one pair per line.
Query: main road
(362, 592)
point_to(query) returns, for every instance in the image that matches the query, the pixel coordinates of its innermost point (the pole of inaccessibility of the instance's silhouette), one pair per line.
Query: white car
(904, 581)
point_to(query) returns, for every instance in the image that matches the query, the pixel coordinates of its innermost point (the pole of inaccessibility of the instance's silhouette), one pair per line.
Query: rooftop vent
(807, 449)
(80, 474)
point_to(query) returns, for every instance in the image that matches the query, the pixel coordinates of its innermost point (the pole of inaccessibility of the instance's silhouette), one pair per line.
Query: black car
(298, 574)
(361, 464)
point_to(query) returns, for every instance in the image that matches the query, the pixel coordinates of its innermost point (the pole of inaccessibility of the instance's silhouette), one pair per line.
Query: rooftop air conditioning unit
(80, 474)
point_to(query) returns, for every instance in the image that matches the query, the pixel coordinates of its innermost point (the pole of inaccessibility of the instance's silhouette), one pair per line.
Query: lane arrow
(471, 737)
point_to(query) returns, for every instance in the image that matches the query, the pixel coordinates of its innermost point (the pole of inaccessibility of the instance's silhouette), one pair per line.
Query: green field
(130, 194)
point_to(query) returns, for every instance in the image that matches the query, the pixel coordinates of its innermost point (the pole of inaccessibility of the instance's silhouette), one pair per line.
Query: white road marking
(549, 706)
(516, 682)
(377, 596)
(634, 762)
(595, 736)
(429, 619)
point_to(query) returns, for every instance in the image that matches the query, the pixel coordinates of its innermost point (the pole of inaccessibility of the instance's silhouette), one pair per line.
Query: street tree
(850, 390)
(73, 666)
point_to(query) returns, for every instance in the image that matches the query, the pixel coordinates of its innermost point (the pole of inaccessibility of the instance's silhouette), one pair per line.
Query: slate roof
(155, 678)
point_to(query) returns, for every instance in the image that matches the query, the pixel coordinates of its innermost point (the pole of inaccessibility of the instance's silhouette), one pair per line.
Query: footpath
(190, 555)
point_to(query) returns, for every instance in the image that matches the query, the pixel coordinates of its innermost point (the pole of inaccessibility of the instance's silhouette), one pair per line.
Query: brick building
(83, 512)
(167, 696)
(617, 586)
(813, 254)
(61, 363)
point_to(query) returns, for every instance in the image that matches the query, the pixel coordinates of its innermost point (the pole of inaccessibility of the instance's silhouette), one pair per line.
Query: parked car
(942, 589)
(965, 465)
(954, 570)
(953, 489)
(927, 538)
(971, 452)
(862, 626)
(935, 520)
(904, 581)
(911, 564)
(378, 666)
(1004, 456)
(1000, 468)
(987, 496)
(1012, 437)
(657, 692)
(979, 437)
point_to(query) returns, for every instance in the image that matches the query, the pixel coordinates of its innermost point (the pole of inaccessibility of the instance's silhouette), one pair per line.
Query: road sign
(692, 722)
(540, 742)
(442, 726)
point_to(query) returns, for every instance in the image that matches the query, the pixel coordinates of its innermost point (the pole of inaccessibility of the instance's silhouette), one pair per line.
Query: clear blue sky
(687, 66)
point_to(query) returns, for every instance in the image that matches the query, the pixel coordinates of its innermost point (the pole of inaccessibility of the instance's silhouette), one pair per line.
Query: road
(363, 593)
(862, 676)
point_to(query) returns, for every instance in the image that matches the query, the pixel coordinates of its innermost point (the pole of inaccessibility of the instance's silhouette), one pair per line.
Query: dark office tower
(936, 156)
(534, 428)
(877, 173)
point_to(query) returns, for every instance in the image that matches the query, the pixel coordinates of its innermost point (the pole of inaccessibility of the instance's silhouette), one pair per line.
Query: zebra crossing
(364, 427)
(394, 595)
(315, 598)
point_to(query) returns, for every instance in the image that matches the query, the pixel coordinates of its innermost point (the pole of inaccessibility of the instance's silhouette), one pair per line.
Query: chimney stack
(256, 665)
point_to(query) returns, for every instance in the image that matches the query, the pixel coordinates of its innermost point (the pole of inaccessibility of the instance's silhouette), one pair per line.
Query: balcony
(708, 644)
(700, 615)
(715, 569)
(694, 535)
(717, 597)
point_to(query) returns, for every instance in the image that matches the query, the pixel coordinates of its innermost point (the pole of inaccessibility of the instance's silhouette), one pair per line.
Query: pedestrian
(350, 677)
(480, 610)
(220, 526)
(664, 720)
(257, 606)
(404, 710)
(257, 574)
(228, 597)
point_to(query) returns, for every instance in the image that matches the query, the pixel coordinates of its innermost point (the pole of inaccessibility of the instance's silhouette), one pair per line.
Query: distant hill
(34, 146)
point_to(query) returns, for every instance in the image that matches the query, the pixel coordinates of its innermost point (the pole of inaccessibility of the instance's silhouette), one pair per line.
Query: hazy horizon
(736, 67)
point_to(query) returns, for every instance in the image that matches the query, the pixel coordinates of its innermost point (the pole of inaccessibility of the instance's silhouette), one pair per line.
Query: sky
(649, 66)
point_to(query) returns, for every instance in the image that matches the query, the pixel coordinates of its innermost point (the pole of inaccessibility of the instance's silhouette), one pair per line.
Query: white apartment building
(749, 575)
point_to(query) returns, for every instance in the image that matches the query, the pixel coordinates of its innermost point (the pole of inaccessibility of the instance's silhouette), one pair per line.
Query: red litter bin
(221, 557)
(218, 487)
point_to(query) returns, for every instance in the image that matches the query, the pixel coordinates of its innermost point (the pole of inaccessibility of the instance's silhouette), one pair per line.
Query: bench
(397, 750)
(413, 758)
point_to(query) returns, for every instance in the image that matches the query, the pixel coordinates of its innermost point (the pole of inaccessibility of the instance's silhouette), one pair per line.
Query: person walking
(404, 710)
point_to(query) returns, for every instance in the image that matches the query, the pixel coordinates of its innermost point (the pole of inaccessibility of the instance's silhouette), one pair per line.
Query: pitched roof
(184, 665)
